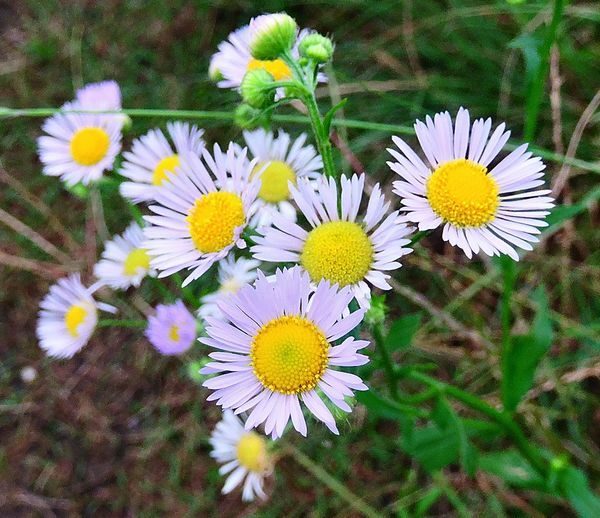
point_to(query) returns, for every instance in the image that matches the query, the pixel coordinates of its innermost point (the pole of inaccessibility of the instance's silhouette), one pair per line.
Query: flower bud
(248, 118)
(255, 88)
(271, 35)
(377, 311)
(316, 47)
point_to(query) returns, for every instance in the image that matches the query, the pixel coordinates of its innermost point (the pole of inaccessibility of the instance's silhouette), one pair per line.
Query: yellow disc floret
(289, 355)
(274, 180)
(137, 260)
(174, 333)
(74, 317)
(252, 452)
(276, 67)
(166, 165)
(89, 145)
(462, 192)
(339, 251)
(213, 220)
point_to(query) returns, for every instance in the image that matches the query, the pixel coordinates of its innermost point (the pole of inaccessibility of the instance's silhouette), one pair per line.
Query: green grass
(119, 430)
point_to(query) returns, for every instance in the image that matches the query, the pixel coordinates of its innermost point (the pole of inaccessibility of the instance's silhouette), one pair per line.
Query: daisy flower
(233, 59)
(492, 209)
(279, 162)
(152, 157)
(201, 212)
(172, 329)
(276, 348)
(124, 262)
(243, 456)
(79, 147)
(233, 274)
(341, 247)
(68, 316)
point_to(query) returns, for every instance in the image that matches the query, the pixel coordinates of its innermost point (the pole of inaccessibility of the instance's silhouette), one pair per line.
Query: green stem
(388, 364)
(114, 322)
(504, 420)
(321, 136)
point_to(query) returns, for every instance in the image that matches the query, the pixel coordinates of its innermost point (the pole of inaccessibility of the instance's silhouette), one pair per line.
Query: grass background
(120, 431)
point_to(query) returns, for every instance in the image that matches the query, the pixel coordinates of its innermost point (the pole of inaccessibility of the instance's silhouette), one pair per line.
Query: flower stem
(115, 322)
(387, 361)
(321, 136)
(504, 420)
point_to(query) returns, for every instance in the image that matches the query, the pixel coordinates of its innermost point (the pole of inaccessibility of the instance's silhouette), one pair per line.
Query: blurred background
(119, 430)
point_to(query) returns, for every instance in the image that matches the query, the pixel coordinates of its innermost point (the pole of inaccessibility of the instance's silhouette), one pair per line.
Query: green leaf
(574, 485)
(403, 331)
(382, 407)
(432, 447)
(523, 354)
(512, 468)
(329, 115)
(529, 45)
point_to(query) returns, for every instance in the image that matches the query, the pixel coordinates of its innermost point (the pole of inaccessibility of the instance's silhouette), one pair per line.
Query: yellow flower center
(166, 165)
(462, 193)
(138, 259)
(289, 355)
(74, 317)
(274, 180)
(213, 220)
(252, 452)
(174, 333)
(89, 145)
(276, 67)
(339, 251)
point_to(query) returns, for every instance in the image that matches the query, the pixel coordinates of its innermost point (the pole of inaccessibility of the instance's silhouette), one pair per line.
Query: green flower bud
(316, 47)
(271, 35)
(377, 312)
(255, 88)
(249, 118)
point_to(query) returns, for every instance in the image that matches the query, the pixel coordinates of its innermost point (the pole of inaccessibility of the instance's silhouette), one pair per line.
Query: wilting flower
(276, 348)
(233, 274)
(243, 454)
(279, 162)
(172, 330)
(79, 147)
(152, 159)
(124, 261)
(67, 318)
(480, 209)
(201, 212)
(341, 247)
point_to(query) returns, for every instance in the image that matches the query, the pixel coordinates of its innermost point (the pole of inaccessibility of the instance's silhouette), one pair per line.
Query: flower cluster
(298, 247)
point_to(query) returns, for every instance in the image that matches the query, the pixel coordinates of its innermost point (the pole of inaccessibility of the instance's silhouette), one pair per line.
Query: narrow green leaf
(511, 467)
(574, 485)
(403, 331)
(329, 115)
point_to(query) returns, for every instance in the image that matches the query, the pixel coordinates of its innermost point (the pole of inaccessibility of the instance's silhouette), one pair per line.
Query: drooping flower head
(271, 35)
(280, 161)
(276, 348)
(233, 59)
(67, 318)
(201, 212)
(79, 147)
(243, 455)
(152, 156)
(172, 329)
(342, 247)
(233, 274)
(492, 209)
(124, 262)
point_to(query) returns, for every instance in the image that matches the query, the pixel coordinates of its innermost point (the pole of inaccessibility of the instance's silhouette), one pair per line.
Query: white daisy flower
(68, 316)
(279, 162)
(233, 59)
(243, 454)
(124, 262)
(233, 274)
(276, 348)
(491, 210)
(102, 96)
(79, 147)
(201, 212)
(342, 247)
(152, 157)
